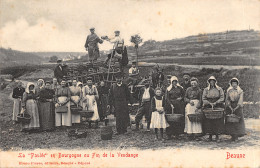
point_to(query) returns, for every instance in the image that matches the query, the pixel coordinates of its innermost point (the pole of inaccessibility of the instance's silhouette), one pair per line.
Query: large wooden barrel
(106, 133)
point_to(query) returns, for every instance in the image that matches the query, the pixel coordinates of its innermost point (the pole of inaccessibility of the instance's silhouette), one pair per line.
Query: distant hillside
(222, 43)
(14, 57)
(60, 55)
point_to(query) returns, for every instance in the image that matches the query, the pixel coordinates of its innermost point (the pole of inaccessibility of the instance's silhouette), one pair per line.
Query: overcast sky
(62, 25)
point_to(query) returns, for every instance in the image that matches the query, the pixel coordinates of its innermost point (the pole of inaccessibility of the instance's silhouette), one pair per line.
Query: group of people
(43, 101)
(186, 99)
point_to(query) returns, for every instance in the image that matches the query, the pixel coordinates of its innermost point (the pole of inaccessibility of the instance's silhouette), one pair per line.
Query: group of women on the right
(213, 97)
(196, 101)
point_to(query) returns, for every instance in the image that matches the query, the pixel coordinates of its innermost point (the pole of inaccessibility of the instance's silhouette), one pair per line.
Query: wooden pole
(136, 50)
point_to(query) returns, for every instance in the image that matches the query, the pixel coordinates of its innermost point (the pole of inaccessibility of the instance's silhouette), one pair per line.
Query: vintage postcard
(129, 83)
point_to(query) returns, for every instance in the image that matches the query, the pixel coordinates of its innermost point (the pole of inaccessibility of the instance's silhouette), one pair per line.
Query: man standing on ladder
(91, 45)
(118, 48)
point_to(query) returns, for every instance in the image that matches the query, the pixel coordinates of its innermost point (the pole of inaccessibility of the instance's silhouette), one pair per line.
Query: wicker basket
(75, 109)
(78, 133)
(232, 118)
(86, 113)
(106, 133)
(215, 113)
(24, 118)
(195, 117)
(61, 109)
(174, 117)
(81, 133)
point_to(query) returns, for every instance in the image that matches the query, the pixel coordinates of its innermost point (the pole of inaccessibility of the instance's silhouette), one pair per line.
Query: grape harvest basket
(232, 118)
(213, 113)
(195, 117)
(24, 118)
(85, 115)
(174, 117)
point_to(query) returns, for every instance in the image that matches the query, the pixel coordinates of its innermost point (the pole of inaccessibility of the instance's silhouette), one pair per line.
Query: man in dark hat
(119, 97)
(59, 71)
(91, 45)
(145, 96)
(186, 83)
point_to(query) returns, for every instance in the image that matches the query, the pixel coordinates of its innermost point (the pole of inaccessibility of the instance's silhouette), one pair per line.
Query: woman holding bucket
(62, 106)
(76, 95)
(90, 97)
(175, 104)
(213, 97)
(193, 99)
(234, 105)
(29, 105)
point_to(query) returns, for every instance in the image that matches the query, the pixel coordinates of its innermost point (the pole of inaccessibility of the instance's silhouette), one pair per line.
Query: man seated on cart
(133, 76)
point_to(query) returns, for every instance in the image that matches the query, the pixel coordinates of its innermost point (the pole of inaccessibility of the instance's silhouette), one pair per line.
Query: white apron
(158, 120)
(91, 104)
(63, 119)
(75, 118)
(192, 127)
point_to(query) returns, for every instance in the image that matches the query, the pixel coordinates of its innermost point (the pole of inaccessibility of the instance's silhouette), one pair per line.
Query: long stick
(136, 56)
(109, 64)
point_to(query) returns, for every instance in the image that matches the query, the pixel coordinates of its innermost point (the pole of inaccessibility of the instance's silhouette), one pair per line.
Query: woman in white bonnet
(234, 104)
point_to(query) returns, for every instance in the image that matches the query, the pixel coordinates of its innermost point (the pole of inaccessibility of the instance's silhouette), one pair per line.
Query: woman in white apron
(90, 97)
(63, 99)
(193, 99)
(30, 105)
(75, 100)
(158, 120)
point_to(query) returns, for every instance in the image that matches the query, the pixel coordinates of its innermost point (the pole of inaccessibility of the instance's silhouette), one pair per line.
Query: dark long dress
(175, 128)
(119, 97)
(213, 95)
(234, 99)
(103, 101)
(46, 109)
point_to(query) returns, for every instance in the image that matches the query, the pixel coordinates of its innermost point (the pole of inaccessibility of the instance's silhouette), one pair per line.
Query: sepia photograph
(129, 83)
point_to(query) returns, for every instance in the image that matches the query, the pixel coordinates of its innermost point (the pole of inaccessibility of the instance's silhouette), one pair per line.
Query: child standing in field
(158, 120)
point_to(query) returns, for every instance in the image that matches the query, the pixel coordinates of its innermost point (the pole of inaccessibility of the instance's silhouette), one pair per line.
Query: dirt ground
(13, 139)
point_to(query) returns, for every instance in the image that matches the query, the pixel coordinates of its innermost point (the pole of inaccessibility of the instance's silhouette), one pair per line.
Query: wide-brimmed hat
(92, 28)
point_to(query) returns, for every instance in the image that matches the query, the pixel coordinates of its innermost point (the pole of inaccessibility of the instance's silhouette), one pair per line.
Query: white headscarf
(79, 83)
(43, 83)
(27, 87)
(238, 87)
(172, 79)
(212, 78)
